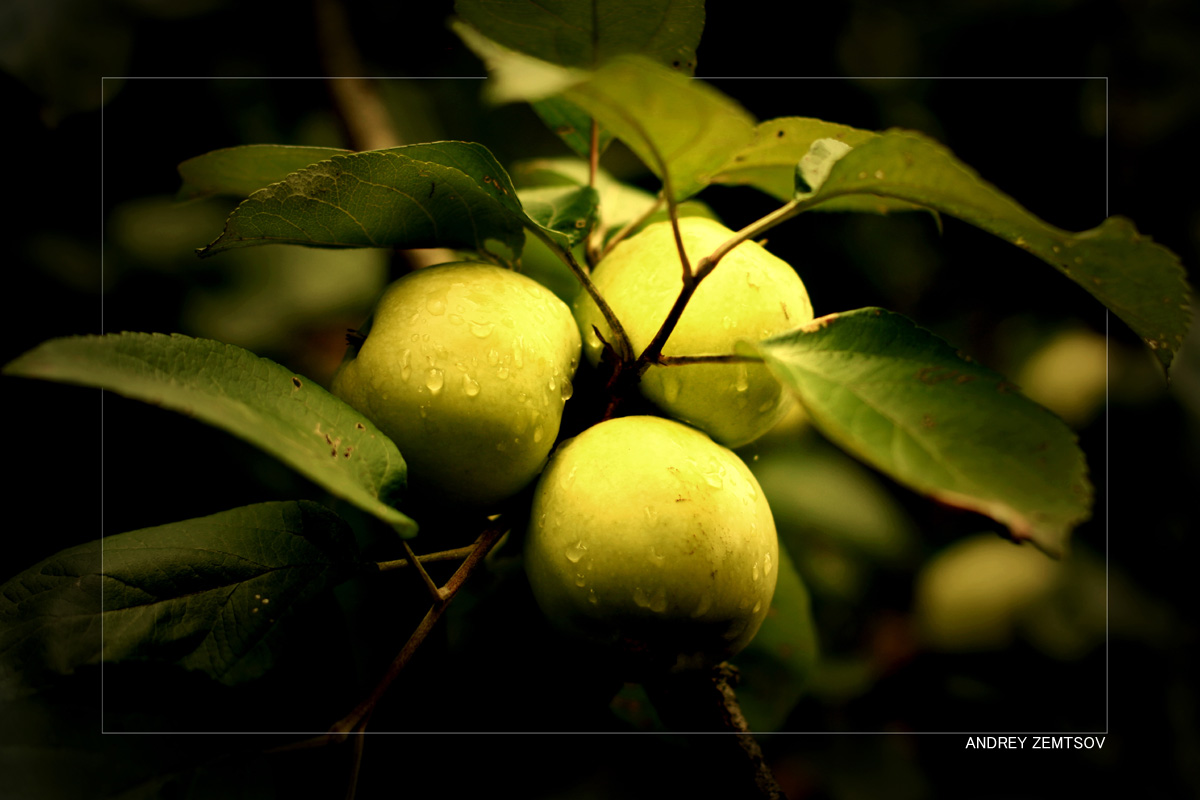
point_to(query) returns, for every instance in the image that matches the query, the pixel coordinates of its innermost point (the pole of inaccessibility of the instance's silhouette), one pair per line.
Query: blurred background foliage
(927, 620)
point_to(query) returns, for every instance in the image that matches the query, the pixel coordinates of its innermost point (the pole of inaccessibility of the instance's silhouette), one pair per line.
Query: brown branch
(704, 702)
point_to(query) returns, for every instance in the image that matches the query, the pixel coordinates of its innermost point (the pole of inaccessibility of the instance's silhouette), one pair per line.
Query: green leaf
(683, 130)
(443, 194)
(572, 124)
(205, 594)
(769, 162)
(904, 401)
(566, 213)
(778, 662)
(287, 415)
(1140, 281)
(585, 34)
(240, 171)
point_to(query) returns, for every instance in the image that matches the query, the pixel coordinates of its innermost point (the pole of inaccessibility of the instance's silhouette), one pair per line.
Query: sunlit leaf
(905, 402)
(683, 130)
(287, 415)
(443, 194)
(1142, 282)
(769, 162)
(205, 594)
(240, 171)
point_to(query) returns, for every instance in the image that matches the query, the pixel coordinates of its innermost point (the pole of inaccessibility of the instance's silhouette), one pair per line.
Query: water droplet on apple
(566, 390)
(434, 380)
(704, 605)
(482, 329)
(767, 565)
(435, 305)
(754, 573)
(743, 378)
(654, 557)
(592, 597)
(538, 434)
(658, 603)
(670, 388)
(576, 552)
(641, 598)
(405, 365)
(757, 607)
(579, 581)
(470, 387)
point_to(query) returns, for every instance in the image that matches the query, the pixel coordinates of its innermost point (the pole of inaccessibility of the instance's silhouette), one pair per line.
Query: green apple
(652, 540)
(466, 366)
(750, 295)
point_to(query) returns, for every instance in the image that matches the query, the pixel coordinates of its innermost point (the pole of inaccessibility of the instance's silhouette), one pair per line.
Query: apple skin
(466, 366)
(655, 543)
(750, 295)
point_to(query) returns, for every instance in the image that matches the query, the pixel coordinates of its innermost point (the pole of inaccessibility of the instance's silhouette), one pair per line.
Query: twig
(705, 702)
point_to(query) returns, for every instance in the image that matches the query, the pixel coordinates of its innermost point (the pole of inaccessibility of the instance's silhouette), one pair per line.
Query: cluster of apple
(646, 534)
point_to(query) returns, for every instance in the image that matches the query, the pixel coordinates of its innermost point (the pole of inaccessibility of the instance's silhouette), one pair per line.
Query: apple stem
(730, 358)
(691, 279)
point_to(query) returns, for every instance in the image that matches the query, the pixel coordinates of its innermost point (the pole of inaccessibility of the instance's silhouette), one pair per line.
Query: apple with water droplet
(751, 295)
(466, 366)
(653, 541)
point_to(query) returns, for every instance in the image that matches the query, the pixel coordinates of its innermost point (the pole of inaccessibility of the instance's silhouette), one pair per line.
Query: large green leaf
(683, 130)
(769, 162)
(585, 34)
(287, 415)
(442, 194)
(205, 594)
(1142, 282)
(240, 171)
(904, 401)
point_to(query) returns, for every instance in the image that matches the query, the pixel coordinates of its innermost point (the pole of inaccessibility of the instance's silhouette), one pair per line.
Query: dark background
(1077, 109)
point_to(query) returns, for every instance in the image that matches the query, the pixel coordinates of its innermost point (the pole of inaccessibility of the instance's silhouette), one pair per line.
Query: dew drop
(576, 552)
(658, 602)
(579, 580)
(704, 606)
(470, 387)
(757, 607)
(743, 378)
(405, 365)
(654, 557)
(754, 573)
(434, 380)
(727, 322)
(482, 329)
(592, 597)
(651, 513)
(566, 390)
(456, 319)
(502, 373)
(568, 479)
(641, 598)
(767, 565)
(670, 388)
(538, 434)
(436, 306)
(493, 358)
